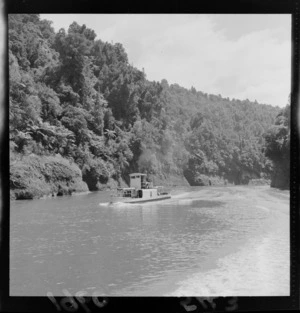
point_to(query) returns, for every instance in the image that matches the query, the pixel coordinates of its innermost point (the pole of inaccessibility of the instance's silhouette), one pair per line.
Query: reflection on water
(76, 244)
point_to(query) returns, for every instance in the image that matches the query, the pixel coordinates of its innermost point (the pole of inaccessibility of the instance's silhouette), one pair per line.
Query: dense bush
(94, 172)
(77, 96)
(33, 176)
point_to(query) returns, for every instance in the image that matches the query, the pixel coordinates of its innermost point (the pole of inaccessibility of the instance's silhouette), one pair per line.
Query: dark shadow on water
(206, 204)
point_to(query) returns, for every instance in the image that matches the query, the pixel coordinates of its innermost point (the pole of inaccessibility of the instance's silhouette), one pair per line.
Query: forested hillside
(76, 101)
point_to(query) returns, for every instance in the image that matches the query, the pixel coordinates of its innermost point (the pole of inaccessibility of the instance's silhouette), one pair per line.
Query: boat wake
(104, 203)
(181, 195)
(185, 201)
(114, 204)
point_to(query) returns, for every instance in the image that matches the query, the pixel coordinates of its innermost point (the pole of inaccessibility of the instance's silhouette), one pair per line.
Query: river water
(204, 241)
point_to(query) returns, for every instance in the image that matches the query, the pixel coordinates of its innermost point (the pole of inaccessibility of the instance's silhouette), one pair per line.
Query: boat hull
(140, 200)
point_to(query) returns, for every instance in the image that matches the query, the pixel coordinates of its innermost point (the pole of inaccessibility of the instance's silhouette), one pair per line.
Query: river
(204, 241)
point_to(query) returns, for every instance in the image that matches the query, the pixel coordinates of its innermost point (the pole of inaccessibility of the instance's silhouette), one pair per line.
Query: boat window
(127, 193)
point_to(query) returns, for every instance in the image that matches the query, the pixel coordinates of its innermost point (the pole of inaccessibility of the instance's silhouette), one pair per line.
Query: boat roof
(126, 188)
(135, 174)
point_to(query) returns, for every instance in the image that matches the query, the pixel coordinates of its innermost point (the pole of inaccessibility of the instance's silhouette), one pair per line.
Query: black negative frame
(159, 304)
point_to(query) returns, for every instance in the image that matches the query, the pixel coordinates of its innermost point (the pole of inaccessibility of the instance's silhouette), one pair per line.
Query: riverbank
(33, 177)
(40, 177)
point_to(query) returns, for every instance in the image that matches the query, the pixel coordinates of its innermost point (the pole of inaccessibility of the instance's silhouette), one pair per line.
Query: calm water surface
(80, 243)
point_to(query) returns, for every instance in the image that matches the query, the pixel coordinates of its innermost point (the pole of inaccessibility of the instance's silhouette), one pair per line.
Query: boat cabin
(126, 192)
(138, 181)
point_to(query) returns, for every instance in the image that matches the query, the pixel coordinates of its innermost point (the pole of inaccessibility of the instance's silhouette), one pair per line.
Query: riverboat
(139, 191)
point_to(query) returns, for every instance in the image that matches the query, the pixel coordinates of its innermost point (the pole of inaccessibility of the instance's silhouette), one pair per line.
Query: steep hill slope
(77, 97)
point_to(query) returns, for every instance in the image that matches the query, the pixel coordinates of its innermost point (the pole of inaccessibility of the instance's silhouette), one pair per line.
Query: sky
(241, 56)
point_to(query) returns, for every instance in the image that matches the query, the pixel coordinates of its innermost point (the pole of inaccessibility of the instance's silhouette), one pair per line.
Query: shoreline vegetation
(33, 177)
(82, 117)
